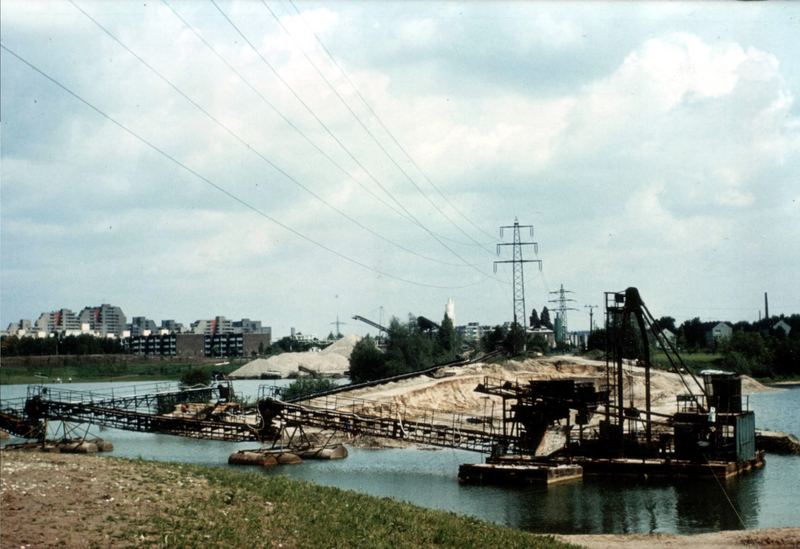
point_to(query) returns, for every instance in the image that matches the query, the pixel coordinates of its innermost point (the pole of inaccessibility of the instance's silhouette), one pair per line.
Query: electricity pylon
(561, 312)
(338, 324)
(518, 262)
(591, 317)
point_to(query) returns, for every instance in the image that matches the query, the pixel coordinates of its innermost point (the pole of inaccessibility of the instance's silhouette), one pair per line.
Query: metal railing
(145, 408)
(153, 398)
(389, 419)
(78, 395)
(14, 406)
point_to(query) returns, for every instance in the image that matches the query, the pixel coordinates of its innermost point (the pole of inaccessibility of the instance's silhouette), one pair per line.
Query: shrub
(195, 376)
(367, 361)
(306, 386)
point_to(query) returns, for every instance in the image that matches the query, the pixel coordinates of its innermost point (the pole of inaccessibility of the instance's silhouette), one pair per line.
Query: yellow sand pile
(455, 390)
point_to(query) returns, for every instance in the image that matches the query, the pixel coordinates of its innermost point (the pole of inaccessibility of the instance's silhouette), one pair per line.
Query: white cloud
(680, 148)
(718, 113)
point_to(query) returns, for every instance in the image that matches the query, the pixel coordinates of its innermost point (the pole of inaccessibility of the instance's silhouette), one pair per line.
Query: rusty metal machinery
(709, 422)
(151, 411)
(529, 409)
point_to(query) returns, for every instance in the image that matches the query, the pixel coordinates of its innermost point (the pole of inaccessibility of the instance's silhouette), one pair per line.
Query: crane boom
(371, 323)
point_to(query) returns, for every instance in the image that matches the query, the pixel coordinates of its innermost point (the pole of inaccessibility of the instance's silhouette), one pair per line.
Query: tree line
(754, 348)
(84, 344)
(416, 345)
(88, 344)
(409, 347)
(511, 340)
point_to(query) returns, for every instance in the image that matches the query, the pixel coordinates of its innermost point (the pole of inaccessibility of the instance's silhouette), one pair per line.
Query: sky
(297, 161)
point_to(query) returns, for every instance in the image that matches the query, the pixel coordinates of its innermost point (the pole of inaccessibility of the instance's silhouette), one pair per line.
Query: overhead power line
(291, 124)
(220, 188)
(386, 129)
(360, 122)
(336, 139)
(248, 146)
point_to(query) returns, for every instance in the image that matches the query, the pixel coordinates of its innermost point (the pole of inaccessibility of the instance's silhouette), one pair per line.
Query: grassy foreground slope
(88, 501)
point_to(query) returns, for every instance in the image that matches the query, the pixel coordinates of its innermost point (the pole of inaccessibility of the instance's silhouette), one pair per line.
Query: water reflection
(766, 498)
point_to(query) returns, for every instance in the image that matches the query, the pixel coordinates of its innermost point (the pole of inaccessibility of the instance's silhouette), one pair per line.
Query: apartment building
(62, 321)
(104, 320)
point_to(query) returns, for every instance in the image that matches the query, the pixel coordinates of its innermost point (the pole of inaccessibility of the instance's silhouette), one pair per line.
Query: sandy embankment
(453, 390)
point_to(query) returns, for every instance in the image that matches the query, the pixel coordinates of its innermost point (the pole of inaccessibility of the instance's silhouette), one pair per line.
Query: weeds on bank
(248, 509)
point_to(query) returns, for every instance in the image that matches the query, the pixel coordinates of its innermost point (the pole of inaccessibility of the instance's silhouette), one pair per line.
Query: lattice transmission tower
(562, 306)
(591, 316)
(518, 262)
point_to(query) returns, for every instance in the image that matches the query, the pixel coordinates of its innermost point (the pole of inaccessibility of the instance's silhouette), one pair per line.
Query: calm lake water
(769, 497)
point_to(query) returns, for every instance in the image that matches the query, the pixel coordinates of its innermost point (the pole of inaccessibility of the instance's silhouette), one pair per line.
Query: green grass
(248, 509)
(113, 371)
(695, 361)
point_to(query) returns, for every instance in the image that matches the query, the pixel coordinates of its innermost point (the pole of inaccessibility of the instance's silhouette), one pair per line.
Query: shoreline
(70, 500)
(115, 502)
(786, 383)
(788, 537)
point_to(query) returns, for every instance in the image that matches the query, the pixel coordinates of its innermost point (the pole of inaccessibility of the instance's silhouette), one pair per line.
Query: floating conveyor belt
(146, 412)
(13, 421)
(359, 417)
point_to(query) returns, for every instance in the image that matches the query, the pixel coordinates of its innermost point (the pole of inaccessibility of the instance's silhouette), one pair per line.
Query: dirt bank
(49, 500)
(767, 537)
(454, 388)
(54, 500)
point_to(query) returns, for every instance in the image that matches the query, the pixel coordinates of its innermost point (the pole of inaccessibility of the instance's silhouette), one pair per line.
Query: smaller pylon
(562, 302)
(591, 318)
(338, 324)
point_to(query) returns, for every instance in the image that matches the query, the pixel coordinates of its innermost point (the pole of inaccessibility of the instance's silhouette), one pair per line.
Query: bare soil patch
(777, 538)
(54, 500)
(61, 500)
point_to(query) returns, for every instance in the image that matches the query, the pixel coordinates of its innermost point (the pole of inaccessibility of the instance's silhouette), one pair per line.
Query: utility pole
(591, 322)
(562, 303)
(518, 262)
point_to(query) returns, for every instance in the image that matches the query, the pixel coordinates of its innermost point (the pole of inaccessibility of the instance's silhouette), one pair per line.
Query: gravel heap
(333, 359)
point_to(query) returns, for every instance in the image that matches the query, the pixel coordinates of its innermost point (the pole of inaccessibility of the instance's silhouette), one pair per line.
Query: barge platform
(520, 470)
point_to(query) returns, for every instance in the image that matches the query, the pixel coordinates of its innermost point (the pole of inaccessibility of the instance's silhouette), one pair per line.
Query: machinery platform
(518, 473)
